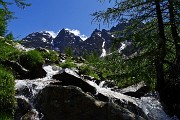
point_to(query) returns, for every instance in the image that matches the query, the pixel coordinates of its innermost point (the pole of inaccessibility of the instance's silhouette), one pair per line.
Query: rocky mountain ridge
(38, 39)
(100, 41)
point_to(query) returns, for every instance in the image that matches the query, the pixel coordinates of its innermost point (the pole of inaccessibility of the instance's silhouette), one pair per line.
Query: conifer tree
(6, 15)
(156, 16)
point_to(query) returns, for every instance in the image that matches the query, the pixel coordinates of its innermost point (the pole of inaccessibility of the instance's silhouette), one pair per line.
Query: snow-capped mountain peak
(37, 39)
(77, 33)
(100, 41)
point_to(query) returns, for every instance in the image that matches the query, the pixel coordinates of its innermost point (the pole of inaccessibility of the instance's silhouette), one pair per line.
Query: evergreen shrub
(7, 93)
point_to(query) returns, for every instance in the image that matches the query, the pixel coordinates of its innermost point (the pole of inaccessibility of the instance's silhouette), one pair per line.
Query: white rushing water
(32, 87)
(150, 105)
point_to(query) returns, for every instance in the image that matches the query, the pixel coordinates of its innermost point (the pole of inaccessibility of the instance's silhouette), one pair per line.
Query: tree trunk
(161, 49)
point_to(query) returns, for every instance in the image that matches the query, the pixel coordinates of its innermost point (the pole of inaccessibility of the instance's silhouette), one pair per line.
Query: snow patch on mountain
(77, 33)
(52, 33)
(44, 39)
(124, 45)
(103, 50)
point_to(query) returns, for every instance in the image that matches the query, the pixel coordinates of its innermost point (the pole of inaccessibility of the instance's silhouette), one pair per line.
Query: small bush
(88, 70)
(7, 51)
(31, 59)
(7, 92)
(68, 64)
(4, 116)
(50, 56)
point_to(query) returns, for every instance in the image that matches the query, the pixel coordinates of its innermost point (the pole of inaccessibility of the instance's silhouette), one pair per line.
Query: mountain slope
(100, 41)
(38, 39)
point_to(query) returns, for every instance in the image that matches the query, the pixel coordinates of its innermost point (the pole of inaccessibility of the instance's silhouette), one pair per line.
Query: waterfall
(28, 89)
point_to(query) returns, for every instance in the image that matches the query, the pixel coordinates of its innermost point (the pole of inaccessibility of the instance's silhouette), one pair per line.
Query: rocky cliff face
(98, 41)
(67, 39)
(38, 39)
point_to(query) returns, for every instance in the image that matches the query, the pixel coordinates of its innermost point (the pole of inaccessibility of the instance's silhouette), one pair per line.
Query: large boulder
(37, 72)
(23, 106)
(22, 71)
(138, 90)
(69, 77)
(58, 102)
(33, 62)
(30, 115)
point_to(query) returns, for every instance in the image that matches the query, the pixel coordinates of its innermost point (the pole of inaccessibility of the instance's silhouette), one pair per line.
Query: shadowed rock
(22, 108)
(57, 102)
(138, 90)
(68, 77)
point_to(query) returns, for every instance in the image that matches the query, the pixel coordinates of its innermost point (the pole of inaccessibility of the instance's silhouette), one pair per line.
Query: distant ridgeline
(100, 41)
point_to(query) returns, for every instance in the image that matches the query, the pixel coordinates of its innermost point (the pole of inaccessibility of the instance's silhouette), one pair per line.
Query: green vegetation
(68, 51)
(7, 93)
(6, 15)
(88, 70)
(50, 56)
(31, 59)
(4, 116)
(7, 51)
(154, 29)
(68, 63)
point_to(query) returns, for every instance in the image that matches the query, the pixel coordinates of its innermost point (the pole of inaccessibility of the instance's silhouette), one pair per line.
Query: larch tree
(156, 16)
(6, 15)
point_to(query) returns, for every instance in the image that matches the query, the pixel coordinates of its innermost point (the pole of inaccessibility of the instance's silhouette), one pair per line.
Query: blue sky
(53, 15)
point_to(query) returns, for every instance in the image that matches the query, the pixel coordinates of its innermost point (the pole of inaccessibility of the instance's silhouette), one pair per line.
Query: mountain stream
(149, 104)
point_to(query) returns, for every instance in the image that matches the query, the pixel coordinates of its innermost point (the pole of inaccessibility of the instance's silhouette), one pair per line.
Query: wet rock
(69, 77)
(37, 72)
(57, 102)
(86, 77)
(24, 90)
(102, 97)
(22, 108)
(131, 107)
(109, 84)
(138, 90)
(30, 115)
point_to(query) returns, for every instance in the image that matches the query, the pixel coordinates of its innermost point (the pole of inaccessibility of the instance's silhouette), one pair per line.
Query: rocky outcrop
(58, 102)
(38, 72)
(138, 90)
(66, 39)
(38, 39)
(68, 77)
(30, 115)
(35, 71)
(22, 108)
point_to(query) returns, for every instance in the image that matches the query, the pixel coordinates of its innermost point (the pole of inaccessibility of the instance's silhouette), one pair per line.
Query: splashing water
(150, 105)
(28, 89)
